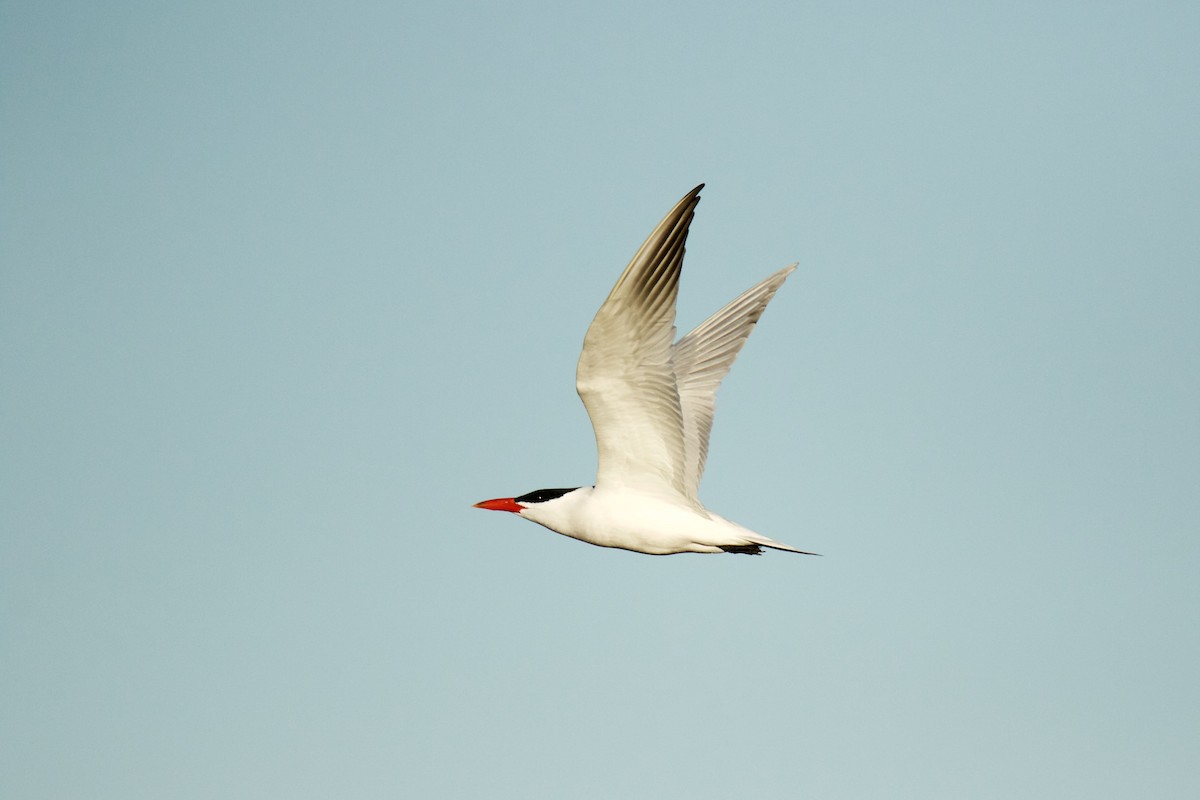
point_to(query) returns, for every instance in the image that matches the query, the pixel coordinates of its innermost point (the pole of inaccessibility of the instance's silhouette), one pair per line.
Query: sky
(286, 287)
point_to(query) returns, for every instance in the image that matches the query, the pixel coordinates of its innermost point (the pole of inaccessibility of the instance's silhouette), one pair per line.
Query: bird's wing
(703, 358)
(625, 378)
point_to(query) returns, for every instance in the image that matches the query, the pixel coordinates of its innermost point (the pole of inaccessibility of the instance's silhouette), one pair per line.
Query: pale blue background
(287, 287)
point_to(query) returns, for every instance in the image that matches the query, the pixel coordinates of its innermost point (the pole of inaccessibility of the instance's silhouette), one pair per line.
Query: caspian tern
(651, 404)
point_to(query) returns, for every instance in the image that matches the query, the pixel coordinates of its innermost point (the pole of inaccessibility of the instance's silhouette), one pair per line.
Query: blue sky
(285, 289)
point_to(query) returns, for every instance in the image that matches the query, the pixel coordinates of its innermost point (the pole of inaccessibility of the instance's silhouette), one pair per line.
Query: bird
(651, 401)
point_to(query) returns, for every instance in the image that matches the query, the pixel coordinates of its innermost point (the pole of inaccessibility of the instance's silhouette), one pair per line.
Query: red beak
(501, 504)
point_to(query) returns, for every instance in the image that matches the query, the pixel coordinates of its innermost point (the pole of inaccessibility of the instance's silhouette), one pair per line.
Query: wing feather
(625, 376)
(702, 359)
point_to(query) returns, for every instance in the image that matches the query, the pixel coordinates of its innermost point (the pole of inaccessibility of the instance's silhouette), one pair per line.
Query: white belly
(644, 523)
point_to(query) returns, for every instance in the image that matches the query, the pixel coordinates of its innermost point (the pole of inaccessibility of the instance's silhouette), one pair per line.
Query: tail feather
(748, 541)
(763, 541)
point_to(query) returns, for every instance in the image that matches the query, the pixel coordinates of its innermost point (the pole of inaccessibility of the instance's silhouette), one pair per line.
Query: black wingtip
(744, 549)
(692, 198)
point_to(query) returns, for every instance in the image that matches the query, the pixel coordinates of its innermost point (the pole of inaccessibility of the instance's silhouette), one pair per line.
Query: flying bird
(651, 402)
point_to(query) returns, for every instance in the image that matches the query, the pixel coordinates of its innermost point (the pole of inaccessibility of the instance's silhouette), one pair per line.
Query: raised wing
(625, 377)
(701, 361)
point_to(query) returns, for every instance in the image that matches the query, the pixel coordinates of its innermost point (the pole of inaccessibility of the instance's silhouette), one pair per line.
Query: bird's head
(529, 500)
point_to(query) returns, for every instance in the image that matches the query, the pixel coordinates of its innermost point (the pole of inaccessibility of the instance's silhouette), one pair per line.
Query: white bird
(651, 404)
